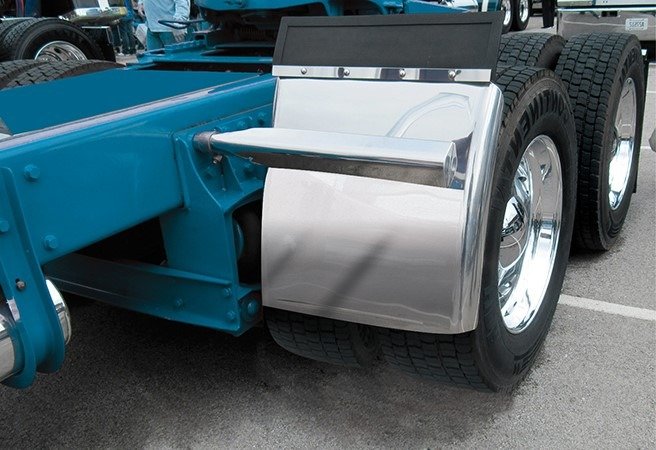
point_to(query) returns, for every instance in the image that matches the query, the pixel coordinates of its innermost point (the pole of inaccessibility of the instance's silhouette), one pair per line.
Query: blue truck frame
(85, 164)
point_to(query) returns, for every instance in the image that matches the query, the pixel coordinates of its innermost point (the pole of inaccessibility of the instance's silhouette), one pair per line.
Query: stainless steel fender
(392, 234)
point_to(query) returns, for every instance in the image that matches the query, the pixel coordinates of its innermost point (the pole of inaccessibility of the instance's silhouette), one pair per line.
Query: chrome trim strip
(416, 161)
(385, 73)
(95, 14)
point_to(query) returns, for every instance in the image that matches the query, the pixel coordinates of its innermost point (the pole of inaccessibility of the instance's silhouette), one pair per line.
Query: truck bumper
(640, 21)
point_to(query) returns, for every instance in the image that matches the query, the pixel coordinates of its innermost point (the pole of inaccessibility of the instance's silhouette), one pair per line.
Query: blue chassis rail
(79, 181)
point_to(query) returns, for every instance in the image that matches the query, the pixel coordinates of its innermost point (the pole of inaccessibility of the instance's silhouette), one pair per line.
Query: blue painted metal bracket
(66, 187)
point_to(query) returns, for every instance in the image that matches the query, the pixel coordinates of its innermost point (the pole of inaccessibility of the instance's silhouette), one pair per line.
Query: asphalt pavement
(132, 381)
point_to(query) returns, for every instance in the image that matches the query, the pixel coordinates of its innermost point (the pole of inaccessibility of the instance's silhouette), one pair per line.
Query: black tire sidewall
(50, 31)
(611, 220)
(517, 23)
(503, 357)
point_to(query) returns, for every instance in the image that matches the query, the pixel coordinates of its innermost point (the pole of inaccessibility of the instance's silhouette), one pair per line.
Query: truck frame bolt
(32, 172)
(4, 226)
(50, 242)
(20, 285)
(231, 316)
(402, 73)
(303, 70)
(347, 72)
(227, 292)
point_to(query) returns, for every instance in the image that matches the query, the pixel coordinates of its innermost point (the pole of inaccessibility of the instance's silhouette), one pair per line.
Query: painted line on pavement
(609, 308)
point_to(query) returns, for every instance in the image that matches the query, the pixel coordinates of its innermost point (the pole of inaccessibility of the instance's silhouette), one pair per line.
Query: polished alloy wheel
(59, 51)
(506, 7)
(529, 237)
(621, 160)
(524, 10)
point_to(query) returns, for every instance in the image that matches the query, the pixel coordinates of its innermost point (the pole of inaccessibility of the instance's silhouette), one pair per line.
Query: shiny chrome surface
(529, 237)
(7, 349)
(471, 5)
(375, 251)
(524, 10)
(59, 51)
(418, 161)
(103, 13)
(619, 168)
(506, 7)
(386, 73)
(61, 309)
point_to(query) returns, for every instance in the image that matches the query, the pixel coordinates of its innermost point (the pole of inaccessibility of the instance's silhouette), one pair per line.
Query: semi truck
(366, 180)
(58, 30)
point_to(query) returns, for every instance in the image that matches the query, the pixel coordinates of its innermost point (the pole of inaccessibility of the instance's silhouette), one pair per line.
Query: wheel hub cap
(507, 9)
(529, 235)
(624, 140)
(59, 51)
(523, 10)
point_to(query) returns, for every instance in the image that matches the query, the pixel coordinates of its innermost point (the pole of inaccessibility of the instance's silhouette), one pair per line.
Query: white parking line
(651, 92)
(610, 308)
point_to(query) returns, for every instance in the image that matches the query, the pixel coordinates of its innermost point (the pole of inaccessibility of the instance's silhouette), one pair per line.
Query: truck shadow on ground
(134, 380)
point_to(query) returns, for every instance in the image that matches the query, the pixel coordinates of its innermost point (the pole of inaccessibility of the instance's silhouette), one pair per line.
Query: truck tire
(321, 339)
(11, 69)
(48, 39)
(508, 15)
(605, 80)
(536, 157)
(6, 26)
(58, 70)
(522, 14)
(531, 49)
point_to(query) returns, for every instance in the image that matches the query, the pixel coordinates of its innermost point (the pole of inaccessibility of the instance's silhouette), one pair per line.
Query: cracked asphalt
(133, 381)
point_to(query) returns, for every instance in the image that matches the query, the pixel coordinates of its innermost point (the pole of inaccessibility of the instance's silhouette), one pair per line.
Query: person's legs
(167, 38)
(153, 41)
(116, 38)
(127, 36)
(548, 12)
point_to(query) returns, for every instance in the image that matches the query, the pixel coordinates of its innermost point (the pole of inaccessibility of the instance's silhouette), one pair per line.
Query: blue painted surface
(66, 187)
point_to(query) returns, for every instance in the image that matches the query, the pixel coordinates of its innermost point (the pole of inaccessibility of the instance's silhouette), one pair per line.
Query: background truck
(625, 16)
(58, 30)
(366, 181)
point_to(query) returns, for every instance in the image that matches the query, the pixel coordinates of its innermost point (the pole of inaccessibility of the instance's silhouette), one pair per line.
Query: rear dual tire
(500, 351)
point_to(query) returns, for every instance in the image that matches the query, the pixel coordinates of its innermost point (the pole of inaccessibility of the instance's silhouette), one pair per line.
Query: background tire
(57, 70)
(11, 69)
(492, 357)
(596, 68)
(522, 14)
(531, 49)
(27, 38)
(321, 339)
(509, 15)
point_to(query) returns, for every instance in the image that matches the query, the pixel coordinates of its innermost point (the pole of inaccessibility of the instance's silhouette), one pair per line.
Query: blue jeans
(158, 39)
(127, 36)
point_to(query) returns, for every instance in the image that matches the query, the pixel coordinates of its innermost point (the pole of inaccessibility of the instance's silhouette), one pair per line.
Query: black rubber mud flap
(464, 41)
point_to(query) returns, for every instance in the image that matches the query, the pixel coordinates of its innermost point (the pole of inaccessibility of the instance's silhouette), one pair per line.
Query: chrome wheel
(529, 237)
(524, 10)
(621, 160)
(59, 51)
(506, 7)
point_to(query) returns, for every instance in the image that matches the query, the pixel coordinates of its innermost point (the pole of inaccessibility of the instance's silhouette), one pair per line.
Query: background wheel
(49, 40)
(10, 69)
(321, 339)
(58, 70)
(604, 75)
(5, 27)
(527, 245)
(531, 49)
(508, 18)
(522, 14)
